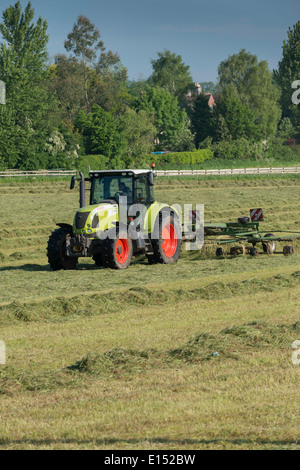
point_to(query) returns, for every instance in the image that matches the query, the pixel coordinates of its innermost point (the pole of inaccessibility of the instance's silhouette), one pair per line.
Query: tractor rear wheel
(98, 259)
(56, 251)
(166, 240)
(117, 252)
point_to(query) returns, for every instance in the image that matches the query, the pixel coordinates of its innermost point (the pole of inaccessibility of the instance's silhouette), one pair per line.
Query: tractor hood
(90, 219)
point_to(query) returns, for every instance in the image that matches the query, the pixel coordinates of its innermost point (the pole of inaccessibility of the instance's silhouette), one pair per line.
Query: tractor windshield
(112, 187)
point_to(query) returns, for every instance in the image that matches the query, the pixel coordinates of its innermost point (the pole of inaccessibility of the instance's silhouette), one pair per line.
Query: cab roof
(119, 172)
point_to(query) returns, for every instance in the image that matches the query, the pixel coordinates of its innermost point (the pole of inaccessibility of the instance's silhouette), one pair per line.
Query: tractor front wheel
(56, 251)
(117, 252)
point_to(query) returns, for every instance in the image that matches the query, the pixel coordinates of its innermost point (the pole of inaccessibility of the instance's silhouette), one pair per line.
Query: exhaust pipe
(82, 190)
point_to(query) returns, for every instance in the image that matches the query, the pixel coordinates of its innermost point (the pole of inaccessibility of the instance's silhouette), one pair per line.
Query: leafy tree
(234, 119)
(29, 115)
(184, 140)
(100, 133)
(201, 117)
(109, 84)
(138, 132)
(64, 147)
(170, 72)
(289, 72)
(286, 129)
(252, 83)
(104, 76)
(136, 88)
(66, 82)
(209, 87)
(84, 42)
(25, 44)
(169, 119)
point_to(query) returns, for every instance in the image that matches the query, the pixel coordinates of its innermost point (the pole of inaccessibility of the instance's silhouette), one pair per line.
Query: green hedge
(181, 158)
(243, 149)
(100, 162)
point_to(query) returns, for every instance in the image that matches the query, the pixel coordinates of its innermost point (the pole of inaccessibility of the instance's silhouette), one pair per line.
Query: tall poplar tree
(26, 119)
(84, 42)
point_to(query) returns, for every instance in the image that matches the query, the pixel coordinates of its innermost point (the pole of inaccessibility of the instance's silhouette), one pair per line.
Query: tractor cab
(112, 191)
(110, 186)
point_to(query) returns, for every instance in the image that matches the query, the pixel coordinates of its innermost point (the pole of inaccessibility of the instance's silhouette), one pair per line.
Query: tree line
(84, 104)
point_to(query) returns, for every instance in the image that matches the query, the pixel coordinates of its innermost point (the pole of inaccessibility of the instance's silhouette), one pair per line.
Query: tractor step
(144, 245)
(148, 247)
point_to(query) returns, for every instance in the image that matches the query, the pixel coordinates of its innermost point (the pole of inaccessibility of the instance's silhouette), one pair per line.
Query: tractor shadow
(46, 268)
(83, 266)
(26, 267)
(103, 443)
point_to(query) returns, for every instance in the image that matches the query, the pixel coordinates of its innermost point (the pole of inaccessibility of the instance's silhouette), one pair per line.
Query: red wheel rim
(122, 250)
(169, 239)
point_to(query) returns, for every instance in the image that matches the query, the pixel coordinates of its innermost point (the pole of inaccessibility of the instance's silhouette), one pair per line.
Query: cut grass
(230, 343)
(93, 303)
(100, 359)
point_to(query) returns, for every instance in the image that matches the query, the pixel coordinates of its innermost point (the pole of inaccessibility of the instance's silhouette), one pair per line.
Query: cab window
(142, 190)
(111, 187)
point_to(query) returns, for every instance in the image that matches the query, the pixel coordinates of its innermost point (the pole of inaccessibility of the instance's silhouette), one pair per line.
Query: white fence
(225, 172)
(14, 173)
(235, 171)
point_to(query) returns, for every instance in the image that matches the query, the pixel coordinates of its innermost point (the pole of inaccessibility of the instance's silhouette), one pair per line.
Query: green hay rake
(246, 231)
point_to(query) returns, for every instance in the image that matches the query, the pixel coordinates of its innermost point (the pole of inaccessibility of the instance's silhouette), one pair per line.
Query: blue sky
(203, 33)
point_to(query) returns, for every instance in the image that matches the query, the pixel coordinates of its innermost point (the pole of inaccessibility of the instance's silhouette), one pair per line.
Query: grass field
(102, 359)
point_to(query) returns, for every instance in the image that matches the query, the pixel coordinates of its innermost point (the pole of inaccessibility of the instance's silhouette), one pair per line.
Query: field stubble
(196, 355)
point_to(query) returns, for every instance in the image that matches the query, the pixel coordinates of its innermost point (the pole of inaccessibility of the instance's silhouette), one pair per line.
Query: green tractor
(121, 220)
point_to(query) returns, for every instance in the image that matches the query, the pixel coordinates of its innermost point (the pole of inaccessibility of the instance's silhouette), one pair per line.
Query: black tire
(219, 252)
(151, 259)
(254, 251)
(288, 250)
(243, 220)
(117, 252)
(166, 250)
(272, 243)
(98, 259)
(56, 251)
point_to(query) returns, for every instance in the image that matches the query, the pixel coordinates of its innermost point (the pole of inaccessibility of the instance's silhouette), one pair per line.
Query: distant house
(191, 97)
(210, 100)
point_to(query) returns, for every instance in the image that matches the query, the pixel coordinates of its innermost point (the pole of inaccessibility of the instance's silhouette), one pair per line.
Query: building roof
(211, 99)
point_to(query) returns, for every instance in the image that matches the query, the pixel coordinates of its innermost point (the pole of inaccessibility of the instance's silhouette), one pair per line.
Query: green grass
(102, 359)
(222, 163)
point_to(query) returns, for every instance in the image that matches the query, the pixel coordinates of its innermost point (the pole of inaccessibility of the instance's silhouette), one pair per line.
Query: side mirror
(151, 178)
(72, 184)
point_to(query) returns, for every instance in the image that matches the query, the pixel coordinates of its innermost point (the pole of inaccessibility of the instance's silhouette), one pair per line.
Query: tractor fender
(153, 214)
(67, 226)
